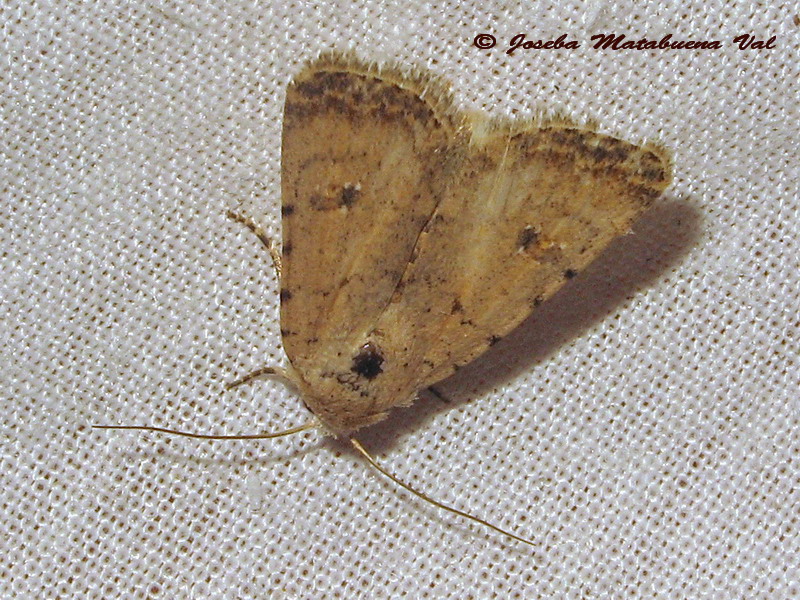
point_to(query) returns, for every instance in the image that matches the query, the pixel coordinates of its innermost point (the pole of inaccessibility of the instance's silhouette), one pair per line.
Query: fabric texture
(642, 427)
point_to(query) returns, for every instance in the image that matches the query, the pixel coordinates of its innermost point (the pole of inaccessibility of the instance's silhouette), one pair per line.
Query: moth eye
(368, 361)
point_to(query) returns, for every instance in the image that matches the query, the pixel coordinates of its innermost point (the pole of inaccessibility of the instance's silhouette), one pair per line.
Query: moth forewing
(362, 173)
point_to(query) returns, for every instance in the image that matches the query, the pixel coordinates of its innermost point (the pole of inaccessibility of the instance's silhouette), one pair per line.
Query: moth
(416, 236)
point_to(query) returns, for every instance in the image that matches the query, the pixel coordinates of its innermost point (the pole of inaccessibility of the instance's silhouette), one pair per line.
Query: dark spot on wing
(599, 153)
(349, 195)
(367, 363)
(287, 209)
(655, 174)
(285, 295)
(570, 273)
(494, 339)
(457, 307)
(324, 83)
(527, 237)
(335, 196)
(612, 151)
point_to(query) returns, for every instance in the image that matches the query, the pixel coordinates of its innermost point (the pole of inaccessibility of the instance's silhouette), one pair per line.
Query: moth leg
(261, 235)
(436, 393)
(277, 372)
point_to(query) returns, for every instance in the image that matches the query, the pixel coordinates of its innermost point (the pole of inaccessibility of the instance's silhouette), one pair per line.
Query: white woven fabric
(643, 427)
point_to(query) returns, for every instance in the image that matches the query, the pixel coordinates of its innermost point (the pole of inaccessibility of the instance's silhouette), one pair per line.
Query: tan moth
(415, 236)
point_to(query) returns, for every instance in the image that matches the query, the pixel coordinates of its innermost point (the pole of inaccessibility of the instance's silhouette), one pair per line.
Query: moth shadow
(659, 240)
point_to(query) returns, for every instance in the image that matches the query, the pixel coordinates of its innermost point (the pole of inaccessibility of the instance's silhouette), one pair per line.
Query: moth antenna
(357, 445)
(202, 436)
(282, 374)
